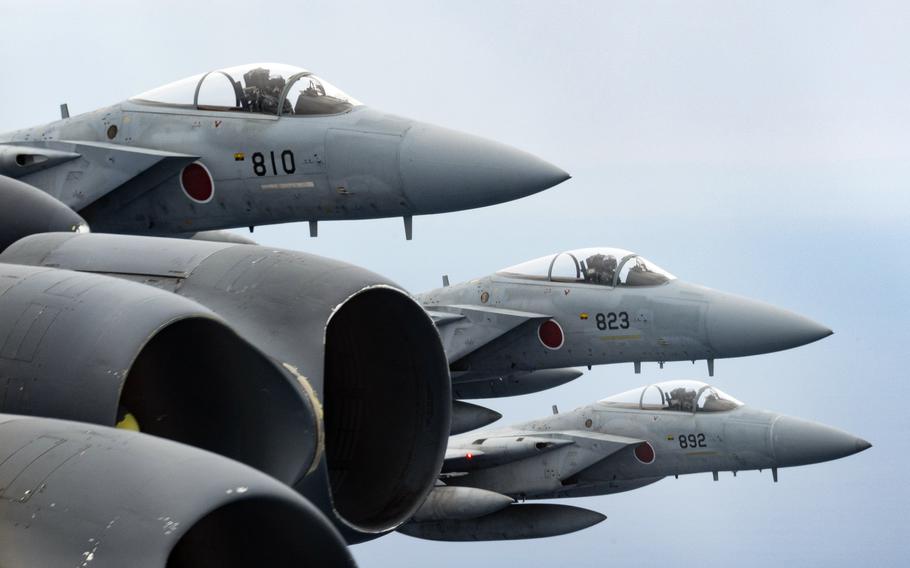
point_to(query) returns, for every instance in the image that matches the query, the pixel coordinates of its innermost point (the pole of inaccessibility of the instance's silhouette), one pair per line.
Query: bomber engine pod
(26, 210)
(371, 353)
(97, 349)
(81, 495)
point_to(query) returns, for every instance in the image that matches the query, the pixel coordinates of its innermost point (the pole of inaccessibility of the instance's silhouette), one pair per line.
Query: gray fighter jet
(258, 144)
(617, 444)
(521, 329)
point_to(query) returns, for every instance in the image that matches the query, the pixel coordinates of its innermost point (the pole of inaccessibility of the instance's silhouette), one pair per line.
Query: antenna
(408, 227)
(64, 111)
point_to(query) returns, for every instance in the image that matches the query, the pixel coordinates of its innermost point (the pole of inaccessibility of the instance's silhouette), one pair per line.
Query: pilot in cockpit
(681, 399)
(261, 93)
(600, 269)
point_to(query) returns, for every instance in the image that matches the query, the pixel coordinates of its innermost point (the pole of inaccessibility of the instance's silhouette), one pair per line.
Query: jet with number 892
(620, 443)
(524, 328)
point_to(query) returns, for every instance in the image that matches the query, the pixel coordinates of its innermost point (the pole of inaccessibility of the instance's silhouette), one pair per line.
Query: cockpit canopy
(601, 265)
(264, 88)
(679, 396)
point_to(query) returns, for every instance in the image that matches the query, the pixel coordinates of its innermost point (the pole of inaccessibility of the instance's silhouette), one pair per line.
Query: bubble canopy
(263, 88)
(678, 396)
(603, 266)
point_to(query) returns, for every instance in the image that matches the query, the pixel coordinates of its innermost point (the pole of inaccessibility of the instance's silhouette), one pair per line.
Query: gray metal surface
(618, 444)
(26, 210)
(491, 326)
(73, 494)
(370, 353)
(518, 521)
(122, 166)
(597, 454)
(88, 347)
(467, 417)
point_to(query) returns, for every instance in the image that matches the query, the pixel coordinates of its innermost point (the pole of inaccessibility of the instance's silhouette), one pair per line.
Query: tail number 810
(285, 159)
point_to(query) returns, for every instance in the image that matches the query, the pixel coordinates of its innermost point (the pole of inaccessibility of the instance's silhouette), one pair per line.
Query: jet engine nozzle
(26, 210)
(82, 495)
(98, 349)
(370, 353)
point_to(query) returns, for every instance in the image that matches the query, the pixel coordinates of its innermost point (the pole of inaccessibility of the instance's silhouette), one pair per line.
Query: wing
(478, 511)
(464, 328)
(81, 173)
(489, 452)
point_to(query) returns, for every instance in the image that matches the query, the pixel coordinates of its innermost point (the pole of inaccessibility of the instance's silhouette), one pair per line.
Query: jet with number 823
(522, 329)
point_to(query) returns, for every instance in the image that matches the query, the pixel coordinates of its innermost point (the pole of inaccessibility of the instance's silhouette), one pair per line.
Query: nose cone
(739, 326)
(800, 442)
(444, 170)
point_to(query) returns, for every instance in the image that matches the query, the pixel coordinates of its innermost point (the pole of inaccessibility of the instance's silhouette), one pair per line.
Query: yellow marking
(670, 438)
(239, 156)
(619, 337)
(701, 453)
(129, 422)
(583, 315)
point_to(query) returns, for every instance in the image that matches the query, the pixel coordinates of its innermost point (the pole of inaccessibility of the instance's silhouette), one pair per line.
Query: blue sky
(758, 148)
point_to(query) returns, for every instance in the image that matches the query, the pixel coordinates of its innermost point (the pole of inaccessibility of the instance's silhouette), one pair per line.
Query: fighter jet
(258, 144)
(620, 443)
(523, 328)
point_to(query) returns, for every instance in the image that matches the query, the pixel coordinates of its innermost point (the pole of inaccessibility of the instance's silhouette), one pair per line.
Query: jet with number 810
(524, 328)
(260, 144)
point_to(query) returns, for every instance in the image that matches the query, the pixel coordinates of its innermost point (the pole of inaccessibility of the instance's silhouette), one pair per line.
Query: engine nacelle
(75, 494)
(26, 210)
(97, 349)
(371, 353)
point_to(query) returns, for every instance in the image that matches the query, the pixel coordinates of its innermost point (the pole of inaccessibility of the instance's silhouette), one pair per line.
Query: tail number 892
(692, 441)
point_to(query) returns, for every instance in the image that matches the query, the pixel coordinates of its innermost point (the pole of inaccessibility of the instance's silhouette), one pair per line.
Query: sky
(761, 148)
